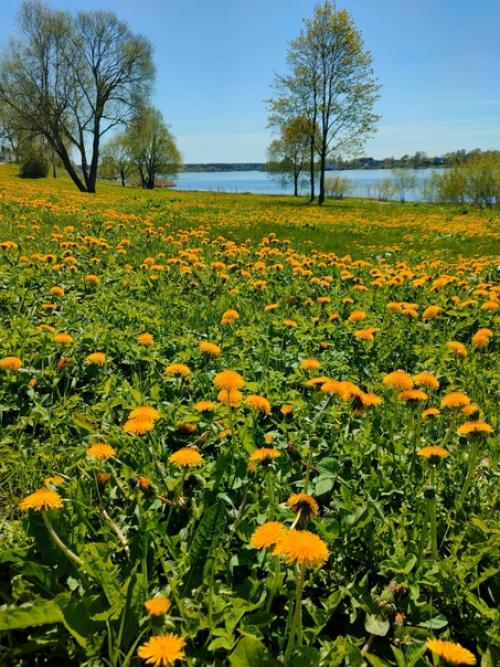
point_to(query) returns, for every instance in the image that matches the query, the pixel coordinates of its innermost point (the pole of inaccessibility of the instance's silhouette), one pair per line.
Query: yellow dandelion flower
(144, 412)
(42, 499)
(139, 425)
(317, 381)
(229, 316)
(303, 548)
(433, 452)
(426, 379)
(394, 307)
(97, 358)
(310, 365)
(92, 279)
(186, 427)
(145, 339)
(430, 312)
(143, 482)
(10, 363)
(304, 503)
(233, 397)
(356, 316)
(180, 370)
(398, 380)
(205, 406)
(271, 307)
(368, 399)
(186, 457)
(481, 338)
(345, 389)
(162, 650)
(429, 413)
(457, 348)
(268, 535)
(451, 652)
(455, 399)
(474, 427)
(470, 410)
(101, 451)
(292, 324)
(157, 606)
(210, 349)
(264, 454)
(367, 335)
(228, 380)
(63, 339)
(286, 410)
(258, 403)
(412, 395)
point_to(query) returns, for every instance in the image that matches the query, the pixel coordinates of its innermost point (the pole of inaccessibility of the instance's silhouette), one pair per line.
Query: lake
(364, 182)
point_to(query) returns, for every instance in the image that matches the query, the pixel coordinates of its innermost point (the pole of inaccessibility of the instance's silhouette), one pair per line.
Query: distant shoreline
(212, 167)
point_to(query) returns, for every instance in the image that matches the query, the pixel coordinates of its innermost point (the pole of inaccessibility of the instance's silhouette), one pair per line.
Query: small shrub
(34, 166)
(336, 187)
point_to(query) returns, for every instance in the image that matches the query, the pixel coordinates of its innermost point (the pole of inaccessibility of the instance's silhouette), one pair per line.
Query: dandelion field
(239, 430)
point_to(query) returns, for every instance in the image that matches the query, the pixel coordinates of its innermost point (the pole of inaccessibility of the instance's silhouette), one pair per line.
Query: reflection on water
(364, 182)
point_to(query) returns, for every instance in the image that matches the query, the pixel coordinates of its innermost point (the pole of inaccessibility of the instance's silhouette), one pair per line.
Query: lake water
(364, 182)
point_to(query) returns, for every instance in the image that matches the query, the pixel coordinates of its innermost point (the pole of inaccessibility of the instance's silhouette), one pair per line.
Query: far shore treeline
(418, 161)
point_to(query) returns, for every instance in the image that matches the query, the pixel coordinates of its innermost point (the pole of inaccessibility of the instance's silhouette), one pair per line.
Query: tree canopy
(330, 82)
(72, 78)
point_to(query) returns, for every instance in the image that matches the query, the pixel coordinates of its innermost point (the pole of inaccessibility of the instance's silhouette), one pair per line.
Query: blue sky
(437, 60)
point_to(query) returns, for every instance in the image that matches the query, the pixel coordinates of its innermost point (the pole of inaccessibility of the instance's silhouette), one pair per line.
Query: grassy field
(244, 430)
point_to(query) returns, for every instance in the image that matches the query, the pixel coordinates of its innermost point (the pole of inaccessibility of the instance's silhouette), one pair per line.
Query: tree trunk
(322, 167)
(311, 170)
(53, 160)
(296, 185)
(95, 155)
(83, 154)
(122, 177)
(68, 165)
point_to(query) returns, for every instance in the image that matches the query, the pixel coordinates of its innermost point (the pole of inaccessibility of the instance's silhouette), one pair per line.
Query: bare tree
(70, 79)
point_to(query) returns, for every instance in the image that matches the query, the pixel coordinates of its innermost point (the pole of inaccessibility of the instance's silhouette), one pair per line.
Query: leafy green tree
(332, 83)
(72, 78)
(287, 157)
(116, 159)
(152, 147)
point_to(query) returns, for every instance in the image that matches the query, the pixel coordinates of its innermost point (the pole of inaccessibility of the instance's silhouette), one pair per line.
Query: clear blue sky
(438, 62)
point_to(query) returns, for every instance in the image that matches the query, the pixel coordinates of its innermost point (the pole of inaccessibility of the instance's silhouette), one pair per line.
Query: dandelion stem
(270, 494)
(116, 529)
(274, 584)
(296, 520)
(66, 551)
(297, 616)
(423, 537)
(468, 476)
(432, 515)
